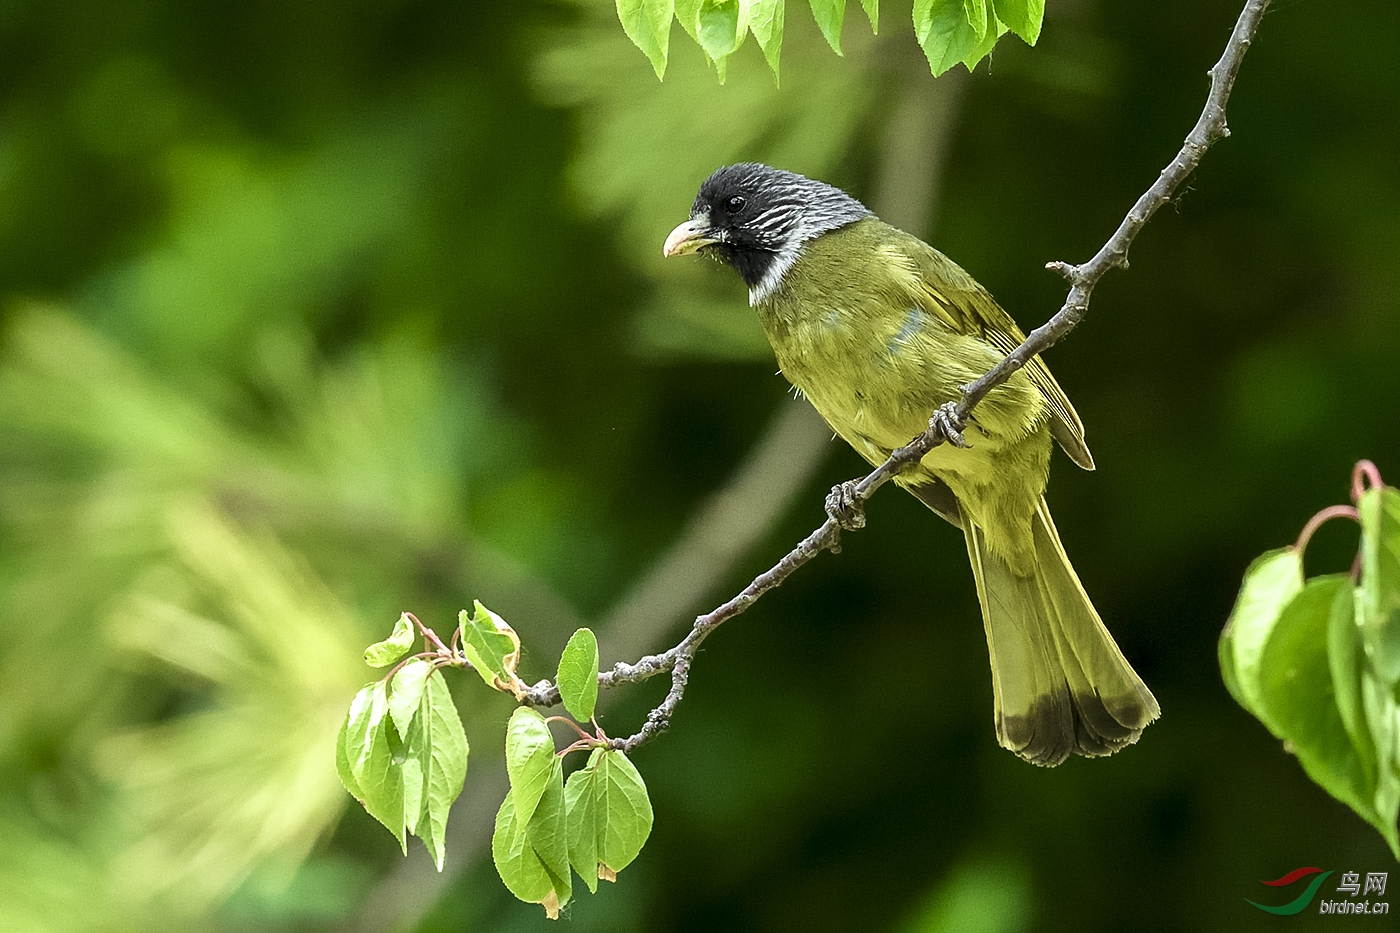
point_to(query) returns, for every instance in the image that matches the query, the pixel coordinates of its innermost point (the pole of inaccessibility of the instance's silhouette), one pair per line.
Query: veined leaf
(720, 28)
(977, 17)
(529, 757)
(766, 23)
(520, 868)
(648, 24)
(406, 693)
(532, 855)
(872, 12)
(829, 15)
(1295, 690)
(1346, 662)
(386, 652)
(1380, 580)
(492, 648)
(1023, 17)
(439, 746)
(578, 675)
(944, 32)
(609, 815)
(1270, 583)
(547, 833)
(369, 756)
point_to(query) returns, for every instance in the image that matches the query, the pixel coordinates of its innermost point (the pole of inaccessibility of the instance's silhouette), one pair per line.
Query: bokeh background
(317, 311)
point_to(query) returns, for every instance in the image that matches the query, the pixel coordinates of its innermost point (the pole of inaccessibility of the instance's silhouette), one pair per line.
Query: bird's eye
(736, 204)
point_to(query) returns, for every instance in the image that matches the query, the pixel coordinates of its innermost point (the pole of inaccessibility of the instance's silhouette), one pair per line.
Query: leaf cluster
(402, 754)
(949, 31)
(1317, 661)
(596, 823)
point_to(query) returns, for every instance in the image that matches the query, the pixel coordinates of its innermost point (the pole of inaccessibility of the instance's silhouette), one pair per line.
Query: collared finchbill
(688, 237)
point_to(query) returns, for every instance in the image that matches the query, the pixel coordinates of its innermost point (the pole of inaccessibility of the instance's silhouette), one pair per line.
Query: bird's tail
(1060, 683)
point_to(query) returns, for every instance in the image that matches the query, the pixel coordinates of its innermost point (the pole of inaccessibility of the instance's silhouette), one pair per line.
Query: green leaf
(578, 675)
(1297, 696)
(548, 835)
(1380, 580)
(944, 32)
(688, 15)
(766, 23)
(977, 17)
(648, 24)
(1023, 17)
(369, 755)
(406, 693)
(342, 761)
(872, 12)
(492, 648)
(719, 28)
(386, 652)
(995, 30)
(1383, 717)
(1270, 583)
(439, 746)
(520, 868)
(529, 757)
(532, 855)
(829, 15)
(1346, 663)
(609, 815)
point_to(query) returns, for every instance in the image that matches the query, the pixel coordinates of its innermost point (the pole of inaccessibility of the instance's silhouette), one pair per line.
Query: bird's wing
(965, 306)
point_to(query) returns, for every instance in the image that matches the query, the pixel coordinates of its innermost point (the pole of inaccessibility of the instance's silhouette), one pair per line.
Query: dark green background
(286, 215)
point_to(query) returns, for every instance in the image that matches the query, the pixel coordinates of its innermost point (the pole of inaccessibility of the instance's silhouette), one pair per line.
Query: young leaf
(529, 758)
(520, 868)
(547, 834)
(1295, 692)
(578, 675)
(829, 14)
(995, 30)
(1270, 584)
(342, 761)
(976, 12)
(370, 759)
(648, 24)
(1345, 662)
(439, 746)
(610, 816)
(944, 32)
(582, 819)
(719, 28)
(766, 24)
(386, 652)
(406, 693)
(1022, 17)
(872, 12)
(1380, 580)
(688, 15)
(492, 648)
(1383, 717)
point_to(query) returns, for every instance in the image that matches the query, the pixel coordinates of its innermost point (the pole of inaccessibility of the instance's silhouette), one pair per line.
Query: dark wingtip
(1062, 723)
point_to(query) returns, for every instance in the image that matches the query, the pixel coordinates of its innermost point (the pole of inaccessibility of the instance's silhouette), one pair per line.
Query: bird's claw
(946, 424)
(844, 507)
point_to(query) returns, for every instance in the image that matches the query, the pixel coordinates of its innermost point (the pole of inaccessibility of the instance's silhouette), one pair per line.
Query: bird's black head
(756, 218)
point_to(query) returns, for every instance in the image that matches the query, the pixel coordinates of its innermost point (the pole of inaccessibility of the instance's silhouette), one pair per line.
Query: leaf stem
(1365, 472)
(1320, 519)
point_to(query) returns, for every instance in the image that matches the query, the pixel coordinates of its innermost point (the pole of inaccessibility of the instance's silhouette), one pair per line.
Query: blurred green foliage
(314, 312)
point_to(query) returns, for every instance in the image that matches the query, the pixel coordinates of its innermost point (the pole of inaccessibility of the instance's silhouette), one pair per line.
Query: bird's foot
(844, 508)
(946, 424)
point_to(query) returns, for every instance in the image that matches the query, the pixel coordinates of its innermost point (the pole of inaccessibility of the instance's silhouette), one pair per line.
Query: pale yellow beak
(687, 238)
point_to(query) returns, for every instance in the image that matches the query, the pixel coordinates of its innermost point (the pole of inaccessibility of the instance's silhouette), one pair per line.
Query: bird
(877, 329)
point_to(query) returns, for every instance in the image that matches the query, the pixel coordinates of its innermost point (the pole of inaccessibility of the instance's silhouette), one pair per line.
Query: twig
(950, 420)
